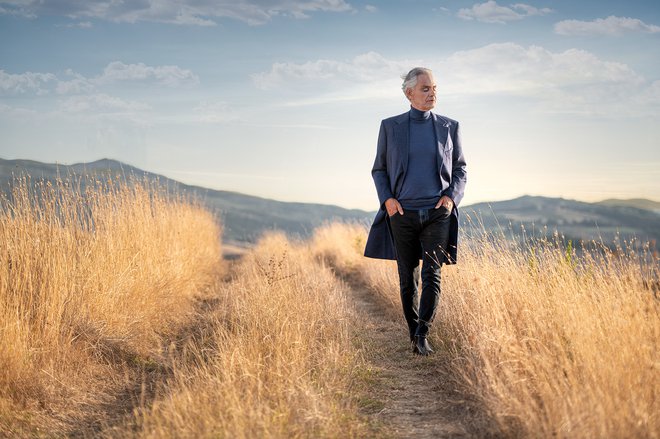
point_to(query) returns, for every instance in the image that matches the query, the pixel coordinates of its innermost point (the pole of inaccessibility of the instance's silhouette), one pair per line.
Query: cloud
(604, 26)
(17, 8)
(571, 81)
(512, 68)
(187, 12)
(15, 112)
(103, 96)
(71, 82)
(363, 68)
(80, 24)
(370, 8)
(38, 83)
(491, 12)
(166, 75)
(83, 24)
(101, 104)
(78, 85)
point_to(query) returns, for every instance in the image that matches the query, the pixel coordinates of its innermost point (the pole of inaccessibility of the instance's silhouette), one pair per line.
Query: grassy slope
(549, 344)
(116, 323)
(90, 286)
(99, 295)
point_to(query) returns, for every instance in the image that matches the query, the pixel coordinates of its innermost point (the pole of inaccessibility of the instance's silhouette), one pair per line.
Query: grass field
(119, 319)
(91, 283)
(552, 344)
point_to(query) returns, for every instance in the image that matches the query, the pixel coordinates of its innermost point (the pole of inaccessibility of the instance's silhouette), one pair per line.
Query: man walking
(420, 176)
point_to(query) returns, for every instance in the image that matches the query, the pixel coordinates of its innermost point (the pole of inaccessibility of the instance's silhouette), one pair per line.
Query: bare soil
(409, 396)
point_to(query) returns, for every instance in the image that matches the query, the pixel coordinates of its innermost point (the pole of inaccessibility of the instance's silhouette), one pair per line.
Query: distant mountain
(575, 220)
(640, 203)
(244, 217)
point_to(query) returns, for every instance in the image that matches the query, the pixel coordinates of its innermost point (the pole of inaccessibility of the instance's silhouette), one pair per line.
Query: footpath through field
(402, 395)
(410, 396)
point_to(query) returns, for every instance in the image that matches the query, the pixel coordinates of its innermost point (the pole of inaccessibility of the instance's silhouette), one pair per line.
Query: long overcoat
(389, 172)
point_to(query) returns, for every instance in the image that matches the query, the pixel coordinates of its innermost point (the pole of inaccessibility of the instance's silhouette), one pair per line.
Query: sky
(283, 98)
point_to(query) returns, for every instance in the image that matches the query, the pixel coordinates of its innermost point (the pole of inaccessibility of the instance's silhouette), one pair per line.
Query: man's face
(422, 96)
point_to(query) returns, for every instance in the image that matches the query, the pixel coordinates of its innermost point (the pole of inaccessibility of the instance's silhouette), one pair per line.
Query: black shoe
(421, 346)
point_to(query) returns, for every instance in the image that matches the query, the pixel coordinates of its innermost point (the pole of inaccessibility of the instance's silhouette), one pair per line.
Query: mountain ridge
(573, 219)
(245, 217)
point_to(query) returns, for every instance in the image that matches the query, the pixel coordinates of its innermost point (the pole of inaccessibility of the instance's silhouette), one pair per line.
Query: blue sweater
(422, 187)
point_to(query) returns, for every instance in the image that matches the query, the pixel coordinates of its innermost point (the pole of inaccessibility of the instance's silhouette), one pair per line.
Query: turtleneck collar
(419, 115)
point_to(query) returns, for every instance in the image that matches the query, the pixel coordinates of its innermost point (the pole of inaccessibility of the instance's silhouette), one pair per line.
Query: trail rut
(411, 396)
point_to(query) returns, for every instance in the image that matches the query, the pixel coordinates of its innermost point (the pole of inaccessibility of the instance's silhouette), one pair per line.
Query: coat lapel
(441, 132)
(403, 138)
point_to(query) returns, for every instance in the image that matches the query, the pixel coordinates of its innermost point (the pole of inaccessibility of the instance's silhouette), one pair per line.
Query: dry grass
(90, 279)
(342, 246)
(97, 288)
(278, 361)
(102, 291)
(552, 344)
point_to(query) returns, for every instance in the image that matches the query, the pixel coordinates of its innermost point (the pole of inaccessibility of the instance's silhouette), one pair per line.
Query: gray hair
(410, 79)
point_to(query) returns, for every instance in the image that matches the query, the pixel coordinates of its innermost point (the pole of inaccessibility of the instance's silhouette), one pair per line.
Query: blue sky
(283, 98)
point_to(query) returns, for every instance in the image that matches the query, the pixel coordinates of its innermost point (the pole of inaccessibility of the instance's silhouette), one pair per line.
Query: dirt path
(407, 396)
(411, 396)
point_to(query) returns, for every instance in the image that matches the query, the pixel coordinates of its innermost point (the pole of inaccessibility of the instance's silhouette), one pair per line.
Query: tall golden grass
(553, 344)
(278, 362)
(97, 283)
(103, 283)
(92, 274)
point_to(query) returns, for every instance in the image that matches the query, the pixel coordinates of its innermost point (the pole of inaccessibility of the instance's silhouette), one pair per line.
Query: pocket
(443, 212)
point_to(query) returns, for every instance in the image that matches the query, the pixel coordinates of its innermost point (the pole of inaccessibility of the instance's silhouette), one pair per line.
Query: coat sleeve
(379, 172)
(458, 174)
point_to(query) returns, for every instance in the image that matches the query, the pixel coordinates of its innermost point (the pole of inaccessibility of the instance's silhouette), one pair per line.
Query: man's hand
(392, 206)
(445, 201)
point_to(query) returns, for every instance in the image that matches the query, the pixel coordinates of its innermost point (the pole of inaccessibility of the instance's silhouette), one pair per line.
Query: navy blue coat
(389, 171)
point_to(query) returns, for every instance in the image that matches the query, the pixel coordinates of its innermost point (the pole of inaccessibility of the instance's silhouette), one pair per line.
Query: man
(420, 176)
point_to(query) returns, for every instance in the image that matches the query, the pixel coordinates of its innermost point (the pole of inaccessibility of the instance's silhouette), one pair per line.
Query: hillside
(244, 217)
(576, 220)
(640, 203)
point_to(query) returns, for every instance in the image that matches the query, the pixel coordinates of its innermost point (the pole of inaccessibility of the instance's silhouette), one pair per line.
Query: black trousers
(428, 228)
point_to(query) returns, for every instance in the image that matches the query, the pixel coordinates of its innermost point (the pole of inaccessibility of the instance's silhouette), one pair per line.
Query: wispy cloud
(363, 68)
(604, 26)
(187, 12)
(27, 82)
(101, 103)
(80, 24)
(16, 112)
(166, 75)
(71, 82)
(98, 97)
(513, 68)
(571, 81)
(78, 84)
(491, 12)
